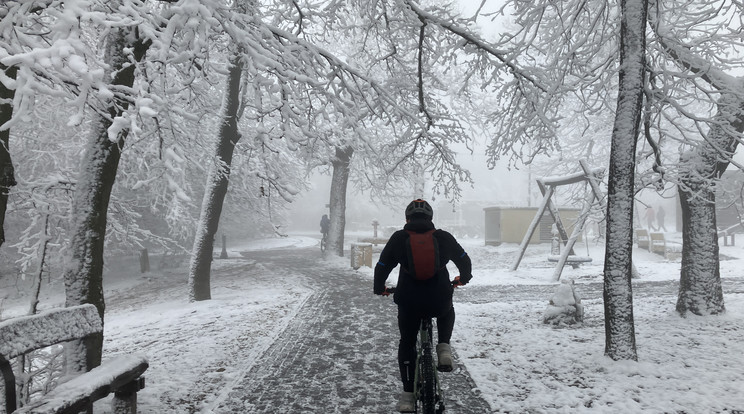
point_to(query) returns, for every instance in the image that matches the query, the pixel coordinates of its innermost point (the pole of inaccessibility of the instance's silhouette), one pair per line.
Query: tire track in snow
(251, 359)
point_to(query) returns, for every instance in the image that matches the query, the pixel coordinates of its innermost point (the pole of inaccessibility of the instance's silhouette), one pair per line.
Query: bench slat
(27, 333)
(570, 259)
(90, 386)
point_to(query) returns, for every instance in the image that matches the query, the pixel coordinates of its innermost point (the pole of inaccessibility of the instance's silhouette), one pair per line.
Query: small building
(510, 224)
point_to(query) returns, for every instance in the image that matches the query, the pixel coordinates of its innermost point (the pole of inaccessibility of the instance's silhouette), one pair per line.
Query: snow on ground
(691, 365)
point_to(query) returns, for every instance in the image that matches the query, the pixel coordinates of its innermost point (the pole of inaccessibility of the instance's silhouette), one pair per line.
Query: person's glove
(462, 280)
(381, 291)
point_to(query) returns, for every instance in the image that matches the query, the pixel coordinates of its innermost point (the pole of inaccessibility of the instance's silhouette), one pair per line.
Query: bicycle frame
(324, 244)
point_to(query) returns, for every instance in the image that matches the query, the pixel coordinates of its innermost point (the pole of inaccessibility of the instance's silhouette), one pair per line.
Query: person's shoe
(407, 402)
(444, 357)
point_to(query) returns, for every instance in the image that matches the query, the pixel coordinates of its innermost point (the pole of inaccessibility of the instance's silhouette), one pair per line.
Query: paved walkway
(338, 355)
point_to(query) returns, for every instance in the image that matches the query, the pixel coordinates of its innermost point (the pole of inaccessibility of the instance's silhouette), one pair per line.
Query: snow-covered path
(338, 355)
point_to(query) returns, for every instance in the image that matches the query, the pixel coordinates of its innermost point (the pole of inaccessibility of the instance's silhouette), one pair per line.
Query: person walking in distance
(424, 288)
(650, 217)
(660, 215)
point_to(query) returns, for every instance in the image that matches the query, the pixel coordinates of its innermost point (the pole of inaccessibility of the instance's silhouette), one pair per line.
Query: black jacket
(430, 297)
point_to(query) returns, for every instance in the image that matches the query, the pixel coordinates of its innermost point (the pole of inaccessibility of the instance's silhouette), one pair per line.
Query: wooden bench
(726, 237)
(729, 233)
(657, 244)
(642, 239)
(77, 392)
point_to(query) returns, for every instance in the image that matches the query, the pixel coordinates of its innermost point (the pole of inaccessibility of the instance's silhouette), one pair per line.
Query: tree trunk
(7, 176)
(700, 289)
(36, 283)
(84, 274)
(339, 181)
(216, 188)
(618, 293)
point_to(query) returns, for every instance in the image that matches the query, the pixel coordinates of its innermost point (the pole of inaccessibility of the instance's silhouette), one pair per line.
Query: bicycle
(426, 386)
(323, 244)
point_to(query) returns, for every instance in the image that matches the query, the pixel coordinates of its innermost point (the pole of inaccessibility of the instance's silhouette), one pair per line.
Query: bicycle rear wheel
(428, 383)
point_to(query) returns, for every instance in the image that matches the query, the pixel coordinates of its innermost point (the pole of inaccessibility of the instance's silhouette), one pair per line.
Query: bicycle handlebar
(390, 290)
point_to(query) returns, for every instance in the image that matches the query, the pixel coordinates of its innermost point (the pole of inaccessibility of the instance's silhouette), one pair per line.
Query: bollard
(223, 255)
(375, 223)
(361, 255)
(144, 261)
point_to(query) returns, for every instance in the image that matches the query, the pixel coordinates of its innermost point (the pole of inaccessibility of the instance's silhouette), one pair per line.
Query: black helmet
(419, 206)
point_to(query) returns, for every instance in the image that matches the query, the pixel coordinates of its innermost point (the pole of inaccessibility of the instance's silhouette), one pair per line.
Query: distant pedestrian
(325, 224)
(660, 218)
(650, 218)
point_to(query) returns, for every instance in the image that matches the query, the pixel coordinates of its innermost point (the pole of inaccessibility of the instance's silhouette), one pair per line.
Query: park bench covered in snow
(121, 375)
(658, 244)
(671, 250)
(642, 239)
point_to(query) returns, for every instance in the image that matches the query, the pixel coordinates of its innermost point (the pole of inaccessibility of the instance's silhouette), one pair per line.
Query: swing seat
(570, 259)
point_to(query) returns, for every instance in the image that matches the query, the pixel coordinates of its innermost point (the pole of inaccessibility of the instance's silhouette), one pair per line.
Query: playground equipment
(547, 187)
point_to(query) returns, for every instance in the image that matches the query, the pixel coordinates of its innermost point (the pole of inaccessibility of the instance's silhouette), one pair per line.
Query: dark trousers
(409, 323)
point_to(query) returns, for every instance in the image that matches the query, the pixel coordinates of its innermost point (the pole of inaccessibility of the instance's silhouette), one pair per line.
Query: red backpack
(423, 254)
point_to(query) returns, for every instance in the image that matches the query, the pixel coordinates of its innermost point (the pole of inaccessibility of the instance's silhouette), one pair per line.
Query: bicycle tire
(428, 383)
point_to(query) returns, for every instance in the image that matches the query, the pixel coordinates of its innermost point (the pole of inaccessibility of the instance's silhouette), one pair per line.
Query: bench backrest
(24, 334)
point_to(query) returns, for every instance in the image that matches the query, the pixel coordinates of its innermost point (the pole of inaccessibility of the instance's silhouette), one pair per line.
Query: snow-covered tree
(61, 62)
(339, 180)
(84, 276)
(702, 42)
(217, 183)
(618, 293)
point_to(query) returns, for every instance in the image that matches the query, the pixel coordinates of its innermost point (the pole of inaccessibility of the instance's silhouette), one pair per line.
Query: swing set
(548, 187)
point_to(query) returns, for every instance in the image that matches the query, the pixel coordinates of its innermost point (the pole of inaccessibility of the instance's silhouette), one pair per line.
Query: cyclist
(324, 224)
(417, 299)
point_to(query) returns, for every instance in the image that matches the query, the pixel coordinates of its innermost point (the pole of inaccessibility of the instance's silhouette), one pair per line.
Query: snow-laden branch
(697, 65)
(473, 39)
(726, 126)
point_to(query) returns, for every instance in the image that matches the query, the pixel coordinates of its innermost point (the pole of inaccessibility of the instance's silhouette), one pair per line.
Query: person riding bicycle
(324, 224)
(421, 295)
